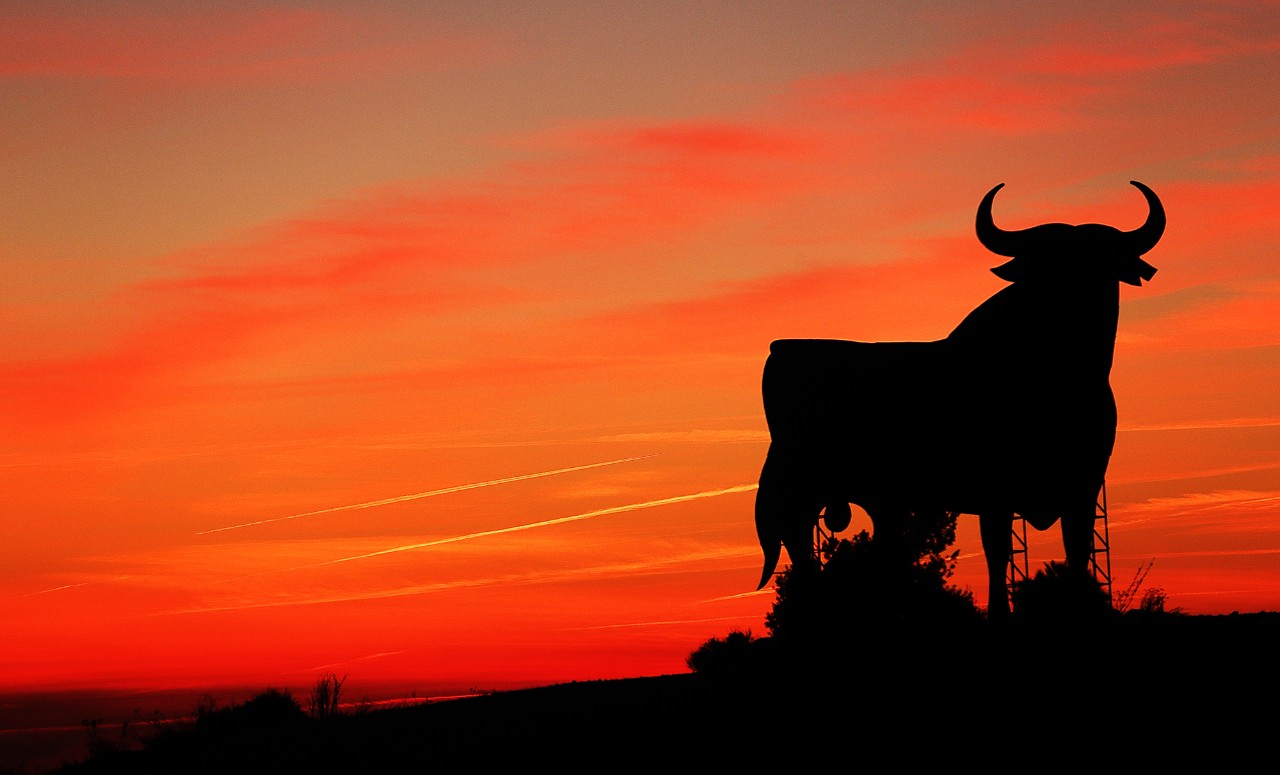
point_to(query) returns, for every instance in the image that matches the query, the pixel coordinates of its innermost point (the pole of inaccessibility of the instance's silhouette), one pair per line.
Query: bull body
(1010, 414)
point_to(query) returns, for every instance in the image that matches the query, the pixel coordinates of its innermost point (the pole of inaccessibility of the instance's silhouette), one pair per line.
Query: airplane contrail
(740, 595)
(518, 528)
(546, 523)
(657, 623)
(428, 493)
(72, 586)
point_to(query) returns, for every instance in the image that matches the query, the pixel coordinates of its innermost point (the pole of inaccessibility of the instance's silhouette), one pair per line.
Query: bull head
(1120, 249)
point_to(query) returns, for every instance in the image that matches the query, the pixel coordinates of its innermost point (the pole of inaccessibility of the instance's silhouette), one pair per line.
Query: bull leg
(1077, 539)
(997, 545)
(887, 528)
(881, 521)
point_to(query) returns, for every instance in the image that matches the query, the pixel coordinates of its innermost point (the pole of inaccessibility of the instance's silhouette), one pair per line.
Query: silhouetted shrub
(324, 696)
(1153, 601)
(267, 713)
(272, 706)
(1061, 595)
(719, 656)
(877, 586)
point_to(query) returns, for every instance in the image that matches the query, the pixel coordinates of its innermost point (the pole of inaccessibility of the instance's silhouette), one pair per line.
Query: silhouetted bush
(720, 656)
(1153, 602)
(879, 586)
(873, 593)
(268, 732)
(267, 714)
(324, 696)
(1061, 595)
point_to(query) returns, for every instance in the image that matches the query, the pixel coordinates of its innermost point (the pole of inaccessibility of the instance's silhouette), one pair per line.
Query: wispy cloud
(1220, 553)
(1216, 499)
(1223, 513)
(1202, 473)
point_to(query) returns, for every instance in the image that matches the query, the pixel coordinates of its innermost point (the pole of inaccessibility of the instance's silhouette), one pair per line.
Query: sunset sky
(422, 341)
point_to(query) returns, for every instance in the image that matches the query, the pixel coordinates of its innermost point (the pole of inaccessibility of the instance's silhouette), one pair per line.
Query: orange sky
(264, 263)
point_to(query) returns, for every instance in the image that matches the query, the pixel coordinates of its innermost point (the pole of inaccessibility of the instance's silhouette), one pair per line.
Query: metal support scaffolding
(820, 539)
(1019, 568)
(1100, 557)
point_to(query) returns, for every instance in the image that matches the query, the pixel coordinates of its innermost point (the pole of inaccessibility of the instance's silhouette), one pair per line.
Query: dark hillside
(1167, 689)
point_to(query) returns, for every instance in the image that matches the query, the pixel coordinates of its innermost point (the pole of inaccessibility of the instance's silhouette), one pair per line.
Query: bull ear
(1013, 271)
(1134, 270)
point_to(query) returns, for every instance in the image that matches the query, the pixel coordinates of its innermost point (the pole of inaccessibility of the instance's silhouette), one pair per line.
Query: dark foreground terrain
(1169, 690)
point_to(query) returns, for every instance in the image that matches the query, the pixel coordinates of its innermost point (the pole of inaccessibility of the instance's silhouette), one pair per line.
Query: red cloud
(394, 256)
(1139, 43)
(1057, 79)
(920, 299)
(708, 139)
(942, 103)
(615, 213)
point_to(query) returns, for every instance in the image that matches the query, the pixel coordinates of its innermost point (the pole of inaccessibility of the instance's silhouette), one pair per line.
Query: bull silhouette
(1010, 414)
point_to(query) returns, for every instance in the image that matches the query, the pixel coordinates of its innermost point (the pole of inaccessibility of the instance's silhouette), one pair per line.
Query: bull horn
(992, 237)
(1146, 236)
